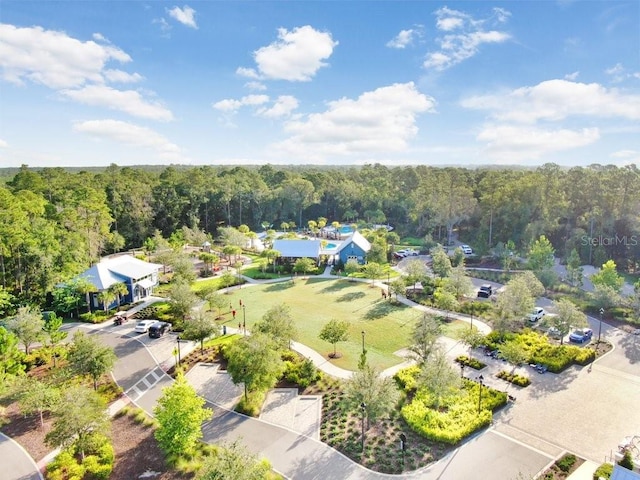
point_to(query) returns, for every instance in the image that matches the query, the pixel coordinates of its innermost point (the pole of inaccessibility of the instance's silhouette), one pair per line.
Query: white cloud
(572, 76)
(53, 58)
(255, 86)
(297, 55)
(185, 15)
(128, 101)
(282, 107)
(379, 121)
(247, 72)
(3, 144)
(555, 100)
(118, 76)
(626, 157)
(514, 144)
(625, 154)
(404, 38)
(465, 43)
(132, 135)
(232, 105)
(164, 26)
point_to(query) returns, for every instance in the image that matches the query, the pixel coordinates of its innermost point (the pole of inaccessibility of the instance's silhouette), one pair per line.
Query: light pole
(363, 342)
(600, 325)
(363, 408)
(244, 319)
(480, 379)
(178, 340)
(472, 307)
(461, 370)
(389, 283)
(244, 381)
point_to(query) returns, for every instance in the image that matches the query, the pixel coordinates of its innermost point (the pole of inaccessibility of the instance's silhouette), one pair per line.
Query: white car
(536, 315)
(143, 326)
(466, 249)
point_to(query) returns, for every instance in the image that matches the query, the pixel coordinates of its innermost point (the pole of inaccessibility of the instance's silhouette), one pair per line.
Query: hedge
(516, 379)
(457, 417)
(470, 362)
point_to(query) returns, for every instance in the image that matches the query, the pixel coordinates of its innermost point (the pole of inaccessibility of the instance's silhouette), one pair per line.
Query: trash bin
(224, 329)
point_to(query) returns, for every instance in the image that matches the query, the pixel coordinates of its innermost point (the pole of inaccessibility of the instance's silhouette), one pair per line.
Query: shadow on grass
(280, 286)
(351, 297)
(336, 286)
(380, 310)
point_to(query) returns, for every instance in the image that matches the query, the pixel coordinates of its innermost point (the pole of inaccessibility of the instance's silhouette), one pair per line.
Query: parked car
(158, 329)
(581, 335)
(143, 326)
(536, 314)
(466, 249)
(554, 332)
(410, 252)
(485, 291)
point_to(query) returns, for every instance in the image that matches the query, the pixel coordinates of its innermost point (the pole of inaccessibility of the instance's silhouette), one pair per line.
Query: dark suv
(158, 329)
(485, 291)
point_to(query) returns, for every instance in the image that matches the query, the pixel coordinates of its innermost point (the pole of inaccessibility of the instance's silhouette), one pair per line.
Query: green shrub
(449, 425)
(627, 460)
(603, 471)
(470, 362)
(407, 378)
(65, 467)
(478, 308)
(566, 462)
(301, 372)
(37, 358)
(514, 378)
(252, 405)
(585, 356)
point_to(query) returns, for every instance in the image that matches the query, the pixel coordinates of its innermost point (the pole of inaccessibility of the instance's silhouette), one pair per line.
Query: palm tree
(106, 297)
(118, 289)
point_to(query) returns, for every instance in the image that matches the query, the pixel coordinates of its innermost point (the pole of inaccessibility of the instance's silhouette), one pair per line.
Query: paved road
(17, 464)
(301, 457)
(586, 411)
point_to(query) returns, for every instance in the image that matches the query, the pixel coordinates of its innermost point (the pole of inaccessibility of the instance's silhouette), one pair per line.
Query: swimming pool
(345, 229)
(331, 246)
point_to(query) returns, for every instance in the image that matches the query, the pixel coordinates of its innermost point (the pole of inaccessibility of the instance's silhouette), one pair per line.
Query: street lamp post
(600, 325)
(244, 381)
(363, 408)
(363, 342)
(178, 340)
(480, 379)
(472, 308)
(244, 319)
(461, 370)
(389, 284)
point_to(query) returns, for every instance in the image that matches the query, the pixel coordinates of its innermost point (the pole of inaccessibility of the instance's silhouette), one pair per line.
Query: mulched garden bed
(343, 431)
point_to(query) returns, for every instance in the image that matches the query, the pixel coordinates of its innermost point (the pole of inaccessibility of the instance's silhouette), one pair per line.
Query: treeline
(55, 223)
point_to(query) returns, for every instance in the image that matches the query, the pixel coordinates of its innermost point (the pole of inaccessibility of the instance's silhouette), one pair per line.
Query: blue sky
(88, 83)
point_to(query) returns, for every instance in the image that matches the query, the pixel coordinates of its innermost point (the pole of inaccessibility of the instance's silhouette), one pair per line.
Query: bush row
(555, 357)
(470, 362)
(516, 379)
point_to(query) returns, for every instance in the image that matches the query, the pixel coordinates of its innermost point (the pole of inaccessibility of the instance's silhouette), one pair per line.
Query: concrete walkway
(17, 464)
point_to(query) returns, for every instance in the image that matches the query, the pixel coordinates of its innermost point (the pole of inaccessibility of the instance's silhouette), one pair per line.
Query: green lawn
(313, 302)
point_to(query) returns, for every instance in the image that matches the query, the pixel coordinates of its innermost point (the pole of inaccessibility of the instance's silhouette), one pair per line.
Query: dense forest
(54, 222)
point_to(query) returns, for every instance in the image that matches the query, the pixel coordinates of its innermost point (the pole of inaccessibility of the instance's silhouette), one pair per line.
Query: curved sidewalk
(17, 464)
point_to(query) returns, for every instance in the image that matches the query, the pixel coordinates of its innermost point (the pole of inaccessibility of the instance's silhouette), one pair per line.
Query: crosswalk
(146, 383)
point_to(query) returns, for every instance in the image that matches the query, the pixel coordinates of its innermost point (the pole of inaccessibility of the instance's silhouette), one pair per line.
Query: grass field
(314, 301)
